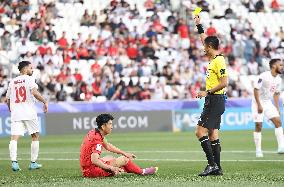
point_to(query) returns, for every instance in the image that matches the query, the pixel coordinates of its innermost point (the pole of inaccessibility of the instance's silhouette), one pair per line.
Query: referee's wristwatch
(208, 92)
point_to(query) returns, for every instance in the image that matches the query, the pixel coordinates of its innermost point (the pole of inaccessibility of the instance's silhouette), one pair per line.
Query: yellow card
(196, 11)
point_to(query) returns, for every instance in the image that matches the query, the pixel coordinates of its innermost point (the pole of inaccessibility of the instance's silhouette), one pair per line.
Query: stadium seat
(144, 80)
(126, 80)
(4, 58)
(101, 99)
(134, 80)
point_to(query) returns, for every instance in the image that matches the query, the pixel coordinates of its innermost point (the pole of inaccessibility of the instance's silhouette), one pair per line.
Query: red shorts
(94, 171)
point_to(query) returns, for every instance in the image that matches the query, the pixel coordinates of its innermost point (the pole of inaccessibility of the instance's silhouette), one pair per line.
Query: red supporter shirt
(93, 143)
(62, 42)
(275, 5)
(43, 50)
(211, 31)
(82, 52)
(143, 41)
(113, 51)
(2, 10)
(149, 4)
(158, 26)
(96, 68)
(101, 51)
(132, 52)
(66, 59)
(96, 88)
(42, 11)
(78, 76)
(183, 31)
(61, 77)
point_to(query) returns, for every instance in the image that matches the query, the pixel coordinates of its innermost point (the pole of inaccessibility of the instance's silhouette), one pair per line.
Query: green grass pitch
(178, 156)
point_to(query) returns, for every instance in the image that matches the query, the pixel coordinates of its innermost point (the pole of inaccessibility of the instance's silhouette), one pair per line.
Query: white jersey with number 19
(21, 98)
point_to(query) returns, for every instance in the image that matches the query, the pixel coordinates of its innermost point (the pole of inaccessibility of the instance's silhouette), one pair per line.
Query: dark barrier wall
(147, 121)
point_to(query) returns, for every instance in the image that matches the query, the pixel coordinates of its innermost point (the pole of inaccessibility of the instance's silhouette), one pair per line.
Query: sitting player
(92, 165)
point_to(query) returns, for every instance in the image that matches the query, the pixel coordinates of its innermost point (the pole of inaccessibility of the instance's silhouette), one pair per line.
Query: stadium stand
(86, 50)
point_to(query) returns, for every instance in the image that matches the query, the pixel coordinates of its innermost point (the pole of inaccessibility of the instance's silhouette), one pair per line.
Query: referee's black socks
(216, 148)
(206, 146)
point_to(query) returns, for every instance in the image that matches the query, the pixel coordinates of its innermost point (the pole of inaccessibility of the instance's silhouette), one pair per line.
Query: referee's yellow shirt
(215, 70)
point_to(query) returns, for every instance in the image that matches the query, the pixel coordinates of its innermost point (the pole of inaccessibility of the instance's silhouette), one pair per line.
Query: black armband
(200, 28)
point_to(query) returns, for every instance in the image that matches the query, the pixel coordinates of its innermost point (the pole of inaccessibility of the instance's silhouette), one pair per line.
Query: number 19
(21, 94)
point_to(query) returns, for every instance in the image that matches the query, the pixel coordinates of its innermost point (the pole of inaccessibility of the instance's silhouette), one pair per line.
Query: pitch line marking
(155, 151)
(154, 160)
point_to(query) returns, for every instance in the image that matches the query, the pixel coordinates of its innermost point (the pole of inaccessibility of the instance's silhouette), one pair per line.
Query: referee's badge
(207, 73)
(222, 71)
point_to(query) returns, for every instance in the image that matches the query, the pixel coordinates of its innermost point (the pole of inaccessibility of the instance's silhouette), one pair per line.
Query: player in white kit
(20, 99)
(266, 87)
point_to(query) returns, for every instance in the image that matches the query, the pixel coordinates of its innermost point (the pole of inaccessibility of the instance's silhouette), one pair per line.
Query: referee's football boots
(218, 172)
(209, 170)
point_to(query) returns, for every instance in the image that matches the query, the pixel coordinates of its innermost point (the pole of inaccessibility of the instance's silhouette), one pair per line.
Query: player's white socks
(13, 150)
(279, 136)
(34, 150)
(257, 141)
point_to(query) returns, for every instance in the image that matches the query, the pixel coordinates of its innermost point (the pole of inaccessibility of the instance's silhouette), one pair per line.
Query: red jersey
(92, 143)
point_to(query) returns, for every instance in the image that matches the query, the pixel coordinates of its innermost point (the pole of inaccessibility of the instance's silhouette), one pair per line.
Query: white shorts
(21, 127)
(269, 110)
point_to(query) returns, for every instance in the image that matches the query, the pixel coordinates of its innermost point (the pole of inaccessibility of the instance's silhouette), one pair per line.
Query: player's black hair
(273, 61)
(212, 41)
(102, 119)
(23, 64)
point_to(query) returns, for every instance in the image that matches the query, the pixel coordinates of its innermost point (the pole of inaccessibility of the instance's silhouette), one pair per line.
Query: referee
(209, 122)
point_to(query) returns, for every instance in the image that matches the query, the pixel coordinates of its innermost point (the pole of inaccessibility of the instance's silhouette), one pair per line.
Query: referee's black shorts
(213, 109)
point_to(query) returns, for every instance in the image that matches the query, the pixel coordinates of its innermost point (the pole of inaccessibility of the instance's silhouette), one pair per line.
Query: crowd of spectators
(163, 60)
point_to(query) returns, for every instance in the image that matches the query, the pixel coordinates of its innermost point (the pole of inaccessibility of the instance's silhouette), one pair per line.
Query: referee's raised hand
(197, 20)
(200, 28)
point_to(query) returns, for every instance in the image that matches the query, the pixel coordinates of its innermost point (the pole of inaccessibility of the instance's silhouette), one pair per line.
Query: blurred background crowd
(98, 50)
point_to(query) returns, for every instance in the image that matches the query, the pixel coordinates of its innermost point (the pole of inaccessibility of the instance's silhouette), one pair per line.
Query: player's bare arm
(256, 96)
(39, 97)
(8, 104)
(96, 161)
(113, 149)
(276, 100)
